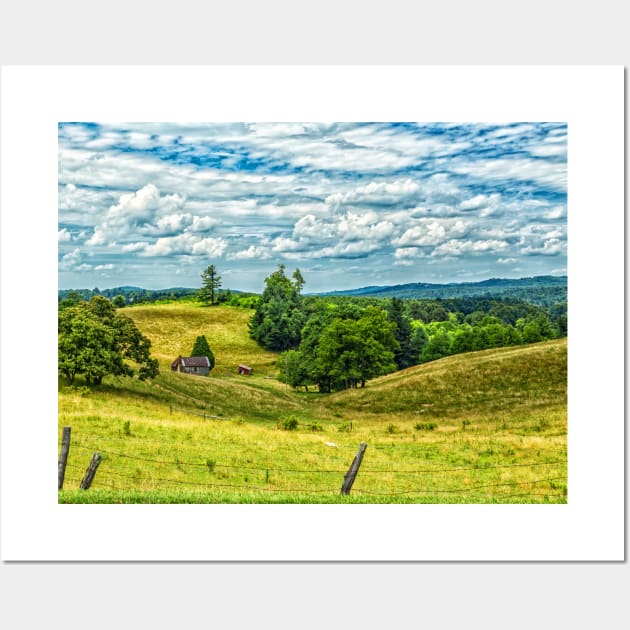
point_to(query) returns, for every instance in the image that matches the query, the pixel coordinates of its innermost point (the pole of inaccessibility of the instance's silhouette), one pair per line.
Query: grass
(498, 421)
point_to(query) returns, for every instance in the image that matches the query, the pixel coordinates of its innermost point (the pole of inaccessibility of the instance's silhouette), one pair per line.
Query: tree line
(339, 342)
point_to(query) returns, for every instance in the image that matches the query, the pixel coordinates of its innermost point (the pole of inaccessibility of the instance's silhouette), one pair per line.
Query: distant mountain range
(542, 290)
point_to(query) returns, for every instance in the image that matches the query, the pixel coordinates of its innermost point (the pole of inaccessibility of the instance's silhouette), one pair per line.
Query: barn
(245, 369)
(192, 365)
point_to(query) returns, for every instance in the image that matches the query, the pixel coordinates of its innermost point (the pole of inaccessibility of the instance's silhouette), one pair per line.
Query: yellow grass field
(483, 427)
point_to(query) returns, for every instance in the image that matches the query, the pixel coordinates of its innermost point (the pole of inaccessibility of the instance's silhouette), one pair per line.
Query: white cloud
(506, 261)
(549, 247)
(363, 226)
(355, 249)
(429, 232)
(376, 193)
(253, 251)
(553, 174)
(185, 244)
(559, 212)
(510, 131)
(173, 222)
(70, 260)
(407, 252)
(277, 130)
(458, 248)
(63, 236)
(106, 267)
(140, 205)
(312, 228)
(406, 256)
(201, 224)
(486, 204)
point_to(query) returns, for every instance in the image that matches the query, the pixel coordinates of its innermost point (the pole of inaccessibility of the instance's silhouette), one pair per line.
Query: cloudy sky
(350, 204)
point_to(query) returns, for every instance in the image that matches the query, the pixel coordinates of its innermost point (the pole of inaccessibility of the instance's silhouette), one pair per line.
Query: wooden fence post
(63, 457)
(348, 479)
(86, 482)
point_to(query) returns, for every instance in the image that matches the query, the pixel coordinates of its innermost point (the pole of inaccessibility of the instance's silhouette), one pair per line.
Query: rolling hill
(487, 426)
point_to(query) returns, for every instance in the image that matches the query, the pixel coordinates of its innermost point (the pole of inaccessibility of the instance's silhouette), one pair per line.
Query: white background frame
(589, 99)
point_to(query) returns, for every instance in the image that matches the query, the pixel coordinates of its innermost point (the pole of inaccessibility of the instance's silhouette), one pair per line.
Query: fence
(203, 414)
(271, 478)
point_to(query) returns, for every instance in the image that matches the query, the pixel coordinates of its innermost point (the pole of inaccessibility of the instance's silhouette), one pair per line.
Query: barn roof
(196, 362)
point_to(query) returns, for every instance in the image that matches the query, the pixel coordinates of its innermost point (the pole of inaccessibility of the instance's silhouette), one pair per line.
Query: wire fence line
(130, 477)
(178, 462)
(334, 490)
(461, 490)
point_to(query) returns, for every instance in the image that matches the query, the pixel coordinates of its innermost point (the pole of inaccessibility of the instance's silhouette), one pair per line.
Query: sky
(350, 204)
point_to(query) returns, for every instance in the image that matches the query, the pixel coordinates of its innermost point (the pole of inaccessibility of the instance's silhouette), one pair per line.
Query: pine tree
(202, 349)
(211, 284)
(405, 355)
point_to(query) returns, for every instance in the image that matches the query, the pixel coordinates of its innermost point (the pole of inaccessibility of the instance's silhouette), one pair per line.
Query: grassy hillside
(173, 329)
(484, 427)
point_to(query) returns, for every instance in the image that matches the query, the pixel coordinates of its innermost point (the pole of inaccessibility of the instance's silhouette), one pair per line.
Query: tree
(293, 369)
(419, 340)
(211, 284)
(95, 341)
(119, 301)
(405, 355)
(350, 352)
(202, 349)
(438, 346)
(279, 317)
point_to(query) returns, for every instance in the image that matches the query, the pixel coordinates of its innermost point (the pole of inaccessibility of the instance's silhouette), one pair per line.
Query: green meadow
(481, 427)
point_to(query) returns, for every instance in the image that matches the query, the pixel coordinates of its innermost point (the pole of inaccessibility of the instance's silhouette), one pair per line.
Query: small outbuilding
(245, 369)
(192, 365)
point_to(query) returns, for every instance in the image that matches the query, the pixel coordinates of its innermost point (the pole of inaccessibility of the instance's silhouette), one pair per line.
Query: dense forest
(541, 290)
(337, 342)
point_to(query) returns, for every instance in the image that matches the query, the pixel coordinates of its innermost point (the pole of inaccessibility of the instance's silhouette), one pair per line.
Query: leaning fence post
(86, 482)
(348, 479)
(63, 457)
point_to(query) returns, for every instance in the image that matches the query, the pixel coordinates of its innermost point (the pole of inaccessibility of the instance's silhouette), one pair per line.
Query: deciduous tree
(94, 340)
(279, 317)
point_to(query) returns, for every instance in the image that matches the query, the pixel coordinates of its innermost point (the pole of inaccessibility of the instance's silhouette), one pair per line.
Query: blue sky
(350, 204)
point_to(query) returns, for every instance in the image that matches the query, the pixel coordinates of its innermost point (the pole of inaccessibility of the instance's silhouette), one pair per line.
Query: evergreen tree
(211, 284)
(202, 349)
(405, 355)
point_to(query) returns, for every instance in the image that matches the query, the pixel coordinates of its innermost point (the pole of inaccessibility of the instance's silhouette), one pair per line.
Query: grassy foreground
(484, 427)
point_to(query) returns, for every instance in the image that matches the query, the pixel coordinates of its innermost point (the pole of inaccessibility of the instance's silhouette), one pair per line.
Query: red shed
(245, 369)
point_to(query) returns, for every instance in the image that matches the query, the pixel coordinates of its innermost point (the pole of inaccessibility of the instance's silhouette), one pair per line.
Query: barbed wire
(270, 468)
(250, 487)
(462, 490)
